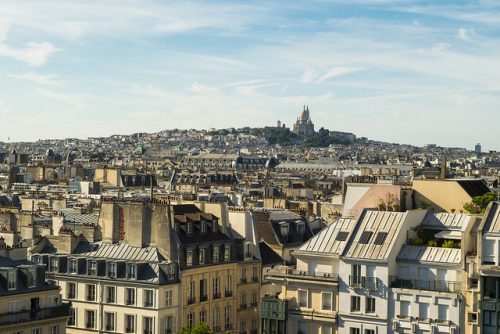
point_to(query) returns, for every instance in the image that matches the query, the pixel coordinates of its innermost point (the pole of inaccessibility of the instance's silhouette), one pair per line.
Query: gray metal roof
(118, 251)
(430, 255)
(446, 221)
(492, 219)
(326, 241)
(79, 218)
(376, 221)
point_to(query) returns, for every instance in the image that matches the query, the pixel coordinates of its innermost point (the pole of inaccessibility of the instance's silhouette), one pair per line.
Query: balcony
(363, 282)
(228, 293)
(90, 298)
(253, 304)
(148, 304)
(110, 327)
(35, 315)
(203, 298)
(243, 306)
(289, 273)
(130, 302)
(228, 327)
(191, 300)
(216, 329)
(428, 285)
(255, 279)
(71, 296)
(89, 325)
(243, 280)
(216, 295)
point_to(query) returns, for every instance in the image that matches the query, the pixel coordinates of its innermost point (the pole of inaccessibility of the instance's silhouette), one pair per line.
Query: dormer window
(300, 228)
(285, 228)
(54, 264)
(31, 278)
(131, 270)
(201, 257)
(189, 257)
(227, 253)
(92, 268)
(72, 266)
(37, 259)
(214, 225)
(190, 228)
(215, 255)
(203, 227)
(12, 280)
(111, 269)
(248, 249)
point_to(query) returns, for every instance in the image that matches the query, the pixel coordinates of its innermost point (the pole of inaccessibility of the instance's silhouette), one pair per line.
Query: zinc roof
(492, 219)
(375, 221)
(446, 221)
(326, 240)
(430, 255)
(118, 251)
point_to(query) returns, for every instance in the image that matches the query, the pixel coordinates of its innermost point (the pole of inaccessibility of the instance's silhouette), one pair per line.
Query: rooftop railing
(429, 285)
(35, 315)
(290, 272)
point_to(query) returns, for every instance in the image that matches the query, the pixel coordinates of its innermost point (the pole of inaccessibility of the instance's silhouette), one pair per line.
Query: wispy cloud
(41, 79)
(70, 99)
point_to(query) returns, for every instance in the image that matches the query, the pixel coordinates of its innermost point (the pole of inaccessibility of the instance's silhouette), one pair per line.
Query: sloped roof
(492, 219)
(430, 255)
(476, 187)
(326, 241)
(446, 221)
(117, 251)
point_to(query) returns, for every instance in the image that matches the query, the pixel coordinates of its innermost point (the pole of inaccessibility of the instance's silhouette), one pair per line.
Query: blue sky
(402, 71)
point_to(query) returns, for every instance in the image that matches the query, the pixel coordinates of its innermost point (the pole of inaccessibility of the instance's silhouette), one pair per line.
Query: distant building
(477, 148)
(304, 127)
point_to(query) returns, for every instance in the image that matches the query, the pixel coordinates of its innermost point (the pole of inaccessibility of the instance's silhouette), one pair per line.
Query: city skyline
(397, 71)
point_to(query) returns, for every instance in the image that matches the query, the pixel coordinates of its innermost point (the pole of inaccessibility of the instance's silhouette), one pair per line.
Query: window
(36, 331)
(355, 303)
(203, 290)
(71, 293)
(227, 253)
(111, 269)
(129, 323)
(489, 318)
(129, 296)
(326, 329)
(284, 230)
(354, 330)
(54, 264)
(191, 292)
(131, 270)
(12, 280)
(72, 317)
(423, 310)
(243, 300)
(242, 327)
(170, 324)
(380, 238)
(31, 278)
(190, 228)
(404, 308)
(365, 237)
(254, 298)
(92, 268)
(300, 228)
(253, 325)
(216, 287)
(168, 297)
(227, 317)
(443, 312)
(356, 270)
(342, 236)
(369, 331)
(54, 329)
(201, 257)
(302, 327)
(370, 305)
(229, 283)
(255, 275)
(90, 292)
(72, 266)
(203, 226)
(109, 319)
(216, 318)
(148, 298)
(110, 294)
(190, 320)
(203, 316)
(148, 325)
(215, 254)
(243, 275)
(189, 257)
(90, 318)
(303, 296)
(326, 300)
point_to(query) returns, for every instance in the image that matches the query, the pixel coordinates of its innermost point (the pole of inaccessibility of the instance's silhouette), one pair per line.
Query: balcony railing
(292, 273)
(429, 285)
(363, 282)
(255, 279)
(228, 293)
(203, 298)
(243, 280)
(191, 300)
(216, 295)
(35, 315)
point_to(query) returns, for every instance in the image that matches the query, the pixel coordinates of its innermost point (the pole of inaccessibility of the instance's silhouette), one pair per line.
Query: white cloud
(71, 99)
(337, 71)
(41, 79)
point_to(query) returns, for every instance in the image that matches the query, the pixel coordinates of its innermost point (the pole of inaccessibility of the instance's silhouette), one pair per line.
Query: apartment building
(309, 289)
(29, 305)
(125, 282)
(220, 273)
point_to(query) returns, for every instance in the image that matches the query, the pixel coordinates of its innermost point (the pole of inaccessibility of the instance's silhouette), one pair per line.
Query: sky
(412, 72)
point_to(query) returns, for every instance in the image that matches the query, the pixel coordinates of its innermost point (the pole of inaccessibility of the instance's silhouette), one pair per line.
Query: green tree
(200, 328)
(479, 203)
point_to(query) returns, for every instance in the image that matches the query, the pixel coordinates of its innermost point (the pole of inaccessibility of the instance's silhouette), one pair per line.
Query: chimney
(442, 174)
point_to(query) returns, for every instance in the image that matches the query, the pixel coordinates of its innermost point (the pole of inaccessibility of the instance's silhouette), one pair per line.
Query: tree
(479, 203)
(200, 328)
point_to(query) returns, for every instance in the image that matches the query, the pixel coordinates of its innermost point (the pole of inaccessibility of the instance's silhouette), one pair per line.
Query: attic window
(380, 238)
(203, 226)
(300, 228)
(190, 228)
(12, 280)
(365, 237)
(31, 278)
(342, 236)
(284, 229)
